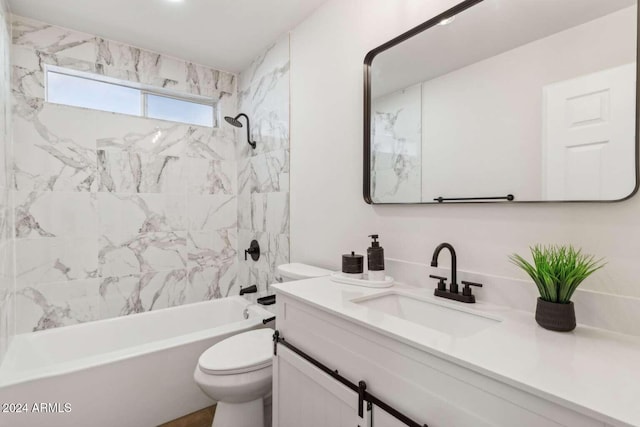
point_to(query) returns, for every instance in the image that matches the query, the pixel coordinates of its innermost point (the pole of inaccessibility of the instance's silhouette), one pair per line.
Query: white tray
(386, 283)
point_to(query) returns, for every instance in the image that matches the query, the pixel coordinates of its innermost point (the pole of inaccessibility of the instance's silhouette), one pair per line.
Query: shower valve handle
(254, 251)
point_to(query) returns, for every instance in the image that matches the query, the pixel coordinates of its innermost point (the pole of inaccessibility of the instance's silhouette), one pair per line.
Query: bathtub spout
(248, 290)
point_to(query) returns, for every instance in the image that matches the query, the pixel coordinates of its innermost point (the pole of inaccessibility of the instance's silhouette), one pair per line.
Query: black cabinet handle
(268, 320)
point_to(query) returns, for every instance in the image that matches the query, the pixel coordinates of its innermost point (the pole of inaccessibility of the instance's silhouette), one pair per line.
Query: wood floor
(201, 418)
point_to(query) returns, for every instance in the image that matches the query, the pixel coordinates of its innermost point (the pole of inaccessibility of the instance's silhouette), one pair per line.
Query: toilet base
(249, 414)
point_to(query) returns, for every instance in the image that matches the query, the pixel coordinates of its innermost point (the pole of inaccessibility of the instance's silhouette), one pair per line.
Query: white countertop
(592, 371)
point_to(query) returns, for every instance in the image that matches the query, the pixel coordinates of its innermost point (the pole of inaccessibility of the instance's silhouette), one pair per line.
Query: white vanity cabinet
(426, 388)
(307, 396)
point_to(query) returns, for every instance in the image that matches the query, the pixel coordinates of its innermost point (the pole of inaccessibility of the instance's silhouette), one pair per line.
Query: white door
(589, 131)
(305, 396)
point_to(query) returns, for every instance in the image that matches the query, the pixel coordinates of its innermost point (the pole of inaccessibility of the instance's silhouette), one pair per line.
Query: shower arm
(252, 144)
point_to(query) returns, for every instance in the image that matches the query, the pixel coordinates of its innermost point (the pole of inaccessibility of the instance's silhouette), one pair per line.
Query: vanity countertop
(593, 371)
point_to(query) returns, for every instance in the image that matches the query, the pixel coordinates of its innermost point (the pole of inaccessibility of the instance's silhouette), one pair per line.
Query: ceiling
(224, 34)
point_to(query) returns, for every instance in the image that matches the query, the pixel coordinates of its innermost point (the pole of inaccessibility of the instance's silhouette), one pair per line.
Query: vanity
(443, 364)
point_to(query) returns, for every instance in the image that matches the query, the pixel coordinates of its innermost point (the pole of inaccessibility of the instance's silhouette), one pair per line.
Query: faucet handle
(466, 291)
(254, 251)
(441, 282)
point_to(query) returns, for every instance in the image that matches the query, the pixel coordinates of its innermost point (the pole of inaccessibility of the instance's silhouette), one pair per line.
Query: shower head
(233, 121)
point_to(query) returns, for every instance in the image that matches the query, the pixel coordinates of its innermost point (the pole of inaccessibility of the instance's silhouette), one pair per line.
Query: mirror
(507, 101)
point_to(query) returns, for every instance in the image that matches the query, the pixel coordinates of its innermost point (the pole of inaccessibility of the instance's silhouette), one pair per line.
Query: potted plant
(557, 271)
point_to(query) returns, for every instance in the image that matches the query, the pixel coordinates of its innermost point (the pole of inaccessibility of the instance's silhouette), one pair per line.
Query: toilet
(236, 372)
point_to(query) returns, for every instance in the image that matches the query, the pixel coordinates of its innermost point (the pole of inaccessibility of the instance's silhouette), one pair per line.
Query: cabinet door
(305, 396)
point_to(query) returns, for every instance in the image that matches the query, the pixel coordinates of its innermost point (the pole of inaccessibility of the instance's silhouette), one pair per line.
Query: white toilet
(236, 372)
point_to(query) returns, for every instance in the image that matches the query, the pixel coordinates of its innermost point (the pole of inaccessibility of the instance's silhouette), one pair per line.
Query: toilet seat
(246, 352)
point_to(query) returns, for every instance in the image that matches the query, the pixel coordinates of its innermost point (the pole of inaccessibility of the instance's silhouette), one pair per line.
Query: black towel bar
(508, 197)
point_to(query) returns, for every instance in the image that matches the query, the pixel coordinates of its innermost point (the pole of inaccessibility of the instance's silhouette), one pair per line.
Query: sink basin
(426, 312)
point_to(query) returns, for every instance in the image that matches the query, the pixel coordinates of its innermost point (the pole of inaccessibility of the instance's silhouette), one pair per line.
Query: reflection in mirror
(530, 98)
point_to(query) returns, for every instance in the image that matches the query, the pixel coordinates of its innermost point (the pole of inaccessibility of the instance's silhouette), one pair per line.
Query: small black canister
(353, 265)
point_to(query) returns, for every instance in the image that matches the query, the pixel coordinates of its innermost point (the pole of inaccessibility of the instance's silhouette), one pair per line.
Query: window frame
(144, 90)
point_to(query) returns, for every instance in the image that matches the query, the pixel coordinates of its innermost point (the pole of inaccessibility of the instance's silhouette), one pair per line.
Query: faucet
(248, 290)
(452, 293)
(453, 287)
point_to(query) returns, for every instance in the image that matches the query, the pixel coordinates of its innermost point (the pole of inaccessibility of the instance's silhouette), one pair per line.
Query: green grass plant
(558, 270)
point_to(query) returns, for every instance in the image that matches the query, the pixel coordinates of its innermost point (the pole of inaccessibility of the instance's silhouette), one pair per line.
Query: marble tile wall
(396, 150)
(263, 173)
(117, 214)
(6, 233)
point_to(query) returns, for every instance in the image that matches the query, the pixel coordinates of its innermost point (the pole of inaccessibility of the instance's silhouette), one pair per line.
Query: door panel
(306, 396)
(589, 130)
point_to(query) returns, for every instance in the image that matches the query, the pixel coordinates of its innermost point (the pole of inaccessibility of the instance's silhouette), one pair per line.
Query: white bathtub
(128, 371)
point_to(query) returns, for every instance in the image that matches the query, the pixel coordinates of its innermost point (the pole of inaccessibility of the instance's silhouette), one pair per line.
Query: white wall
(328, 214)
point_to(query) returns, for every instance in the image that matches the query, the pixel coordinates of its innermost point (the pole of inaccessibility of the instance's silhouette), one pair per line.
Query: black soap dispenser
(375, 258)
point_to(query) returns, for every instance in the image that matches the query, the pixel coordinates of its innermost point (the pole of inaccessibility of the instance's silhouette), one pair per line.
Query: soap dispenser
(375, 259)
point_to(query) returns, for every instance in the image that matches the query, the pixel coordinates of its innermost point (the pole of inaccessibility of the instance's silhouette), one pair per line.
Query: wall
(263, 173)
(117, 214)
(328, 214)
(6, 232)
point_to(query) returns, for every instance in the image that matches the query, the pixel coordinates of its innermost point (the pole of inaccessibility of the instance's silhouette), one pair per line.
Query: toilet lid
(245, 352)
(300, 271)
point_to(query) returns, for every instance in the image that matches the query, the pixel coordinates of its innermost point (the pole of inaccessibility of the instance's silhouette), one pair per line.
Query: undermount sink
(423, 311)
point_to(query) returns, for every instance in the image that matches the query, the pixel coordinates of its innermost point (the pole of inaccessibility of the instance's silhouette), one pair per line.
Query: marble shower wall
(263, 173)
(117, 214)
(396, 152)
(6, 234)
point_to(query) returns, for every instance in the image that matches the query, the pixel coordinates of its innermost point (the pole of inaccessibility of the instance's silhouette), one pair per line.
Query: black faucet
(453, 287)
(452, 293)
(248, 290)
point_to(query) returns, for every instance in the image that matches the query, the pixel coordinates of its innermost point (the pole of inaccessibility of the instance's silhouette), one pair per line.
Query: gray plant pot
(555, 316)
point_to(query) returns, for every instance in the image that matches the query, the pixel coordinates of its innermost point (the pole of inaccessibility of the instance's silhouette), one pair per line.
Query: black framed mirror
(506, 101)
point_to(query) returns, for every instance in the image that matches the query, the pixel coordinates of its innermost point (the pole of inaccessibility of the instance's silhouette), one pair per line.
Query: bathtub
(128, 371)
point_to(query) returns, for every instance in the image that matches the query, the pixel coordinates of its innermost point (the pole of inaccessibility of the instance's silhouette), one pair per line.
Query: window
(97, 92)
(178, 110)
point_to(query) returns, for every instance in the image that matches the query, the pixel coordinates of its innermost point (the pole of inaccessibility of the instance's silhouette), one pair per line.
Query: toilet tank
(298, 271)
